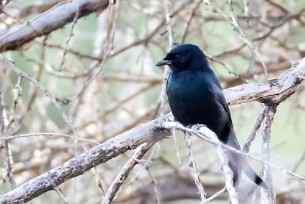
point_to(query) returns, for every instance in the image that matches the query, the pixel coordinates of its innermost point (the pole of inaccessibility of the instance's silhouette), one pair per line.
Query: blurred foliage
(127, 91)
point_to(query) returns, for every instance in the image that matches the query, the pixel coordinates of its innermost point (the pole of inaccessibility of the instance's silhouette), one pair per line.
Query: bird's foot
(160, 123)
(197, 127)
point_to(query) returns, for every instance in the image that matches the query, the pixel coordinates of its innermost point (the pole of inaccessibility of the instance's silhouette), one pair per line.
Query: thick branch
(272, 91)
(34, 9)
(147, 133)
(48, 21)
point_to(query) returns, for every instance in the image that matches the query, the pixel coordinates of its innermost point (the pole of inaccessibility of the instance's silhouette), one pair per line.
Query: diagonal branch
(272, 91)
(123, 174)
(146, 133)
(45, 23)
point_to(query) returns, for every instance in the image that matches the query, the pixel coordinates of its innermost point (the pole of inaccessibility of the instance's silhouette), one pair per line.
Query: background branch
(50, 20)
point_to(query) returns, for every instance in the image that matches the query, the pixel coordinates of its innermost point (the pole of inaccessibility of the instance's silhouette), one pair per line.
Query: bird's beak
(163, 62)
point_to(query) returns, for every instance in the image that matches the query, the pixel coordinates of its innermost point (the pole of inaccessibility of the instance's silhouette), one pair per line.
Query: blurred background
(95, 78)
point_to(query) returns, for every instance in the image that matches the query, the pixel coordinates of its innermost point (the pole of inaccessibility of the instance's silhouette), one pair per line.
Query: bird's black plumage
(196, 97)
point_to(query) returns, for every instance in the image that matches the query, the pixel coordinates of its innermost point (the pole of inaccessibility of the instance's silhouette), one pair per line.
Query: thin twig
(47, 134)
(61, 195)
(194, 169)
(209, 136)
(176, 146)
(123, 174)
(217, 194)
(266, 169)
(245, 38)
(8, 128)
(194, 10)
(7, 156)
(205, 134)
(254, 129)
(163, 96)
(168, 14)
(113, 9)
(70, 37)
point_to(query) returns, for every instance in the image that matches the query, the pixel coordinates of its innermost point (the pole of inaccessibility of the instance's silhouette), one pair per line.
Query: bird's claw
(197, 127)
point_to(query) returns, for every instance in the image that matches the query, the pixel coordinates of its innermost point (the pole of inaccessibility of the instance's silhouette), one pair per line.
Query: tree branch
(146, 133)
(272, 91)
(45, 23)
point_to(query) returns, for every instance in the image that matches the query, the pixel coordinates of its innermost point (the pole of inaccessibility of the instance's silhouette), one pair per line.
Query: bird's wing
(222, 104)
(217, 92)
(170, 73)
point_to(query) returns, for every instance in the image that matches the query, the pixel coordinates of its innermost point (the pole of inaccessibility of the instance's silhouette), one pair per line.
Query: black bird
(196, 97)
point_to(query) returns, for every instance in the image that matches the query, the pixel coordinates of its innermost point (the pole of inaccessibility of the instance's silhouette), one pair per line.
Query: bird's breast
(188, 97)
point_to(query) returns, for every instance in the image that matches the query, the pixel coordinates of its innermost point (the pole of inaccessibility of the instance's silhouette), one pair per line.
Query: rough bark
(50, 20)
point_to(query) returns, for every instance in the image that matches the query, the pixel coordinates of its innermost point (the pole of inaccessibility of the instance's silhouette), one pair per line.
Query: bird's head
(185, 57)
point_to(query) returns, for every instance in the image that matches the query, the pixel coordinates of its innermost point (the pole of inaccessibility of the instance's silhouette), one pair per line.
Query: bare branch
(147, 133)
(208, 135)
(194, 169)
(123, 174)
(163, 96)
(272, 91)
(254, 129)
(266, 175)
(45, 23)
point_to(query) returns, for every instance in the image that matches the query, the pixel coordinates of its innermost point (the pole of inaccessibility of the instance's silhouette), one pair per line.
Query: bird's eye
(177, 56)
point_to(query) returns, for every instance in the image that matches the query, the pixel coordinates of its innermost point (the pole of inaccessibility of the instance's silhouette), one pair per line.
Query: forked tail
(253, 175)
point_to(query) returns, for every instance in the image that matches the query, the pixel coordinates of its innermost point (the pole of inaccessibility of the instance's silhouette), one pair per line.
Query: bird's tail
(252, 174)
(238, 164)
